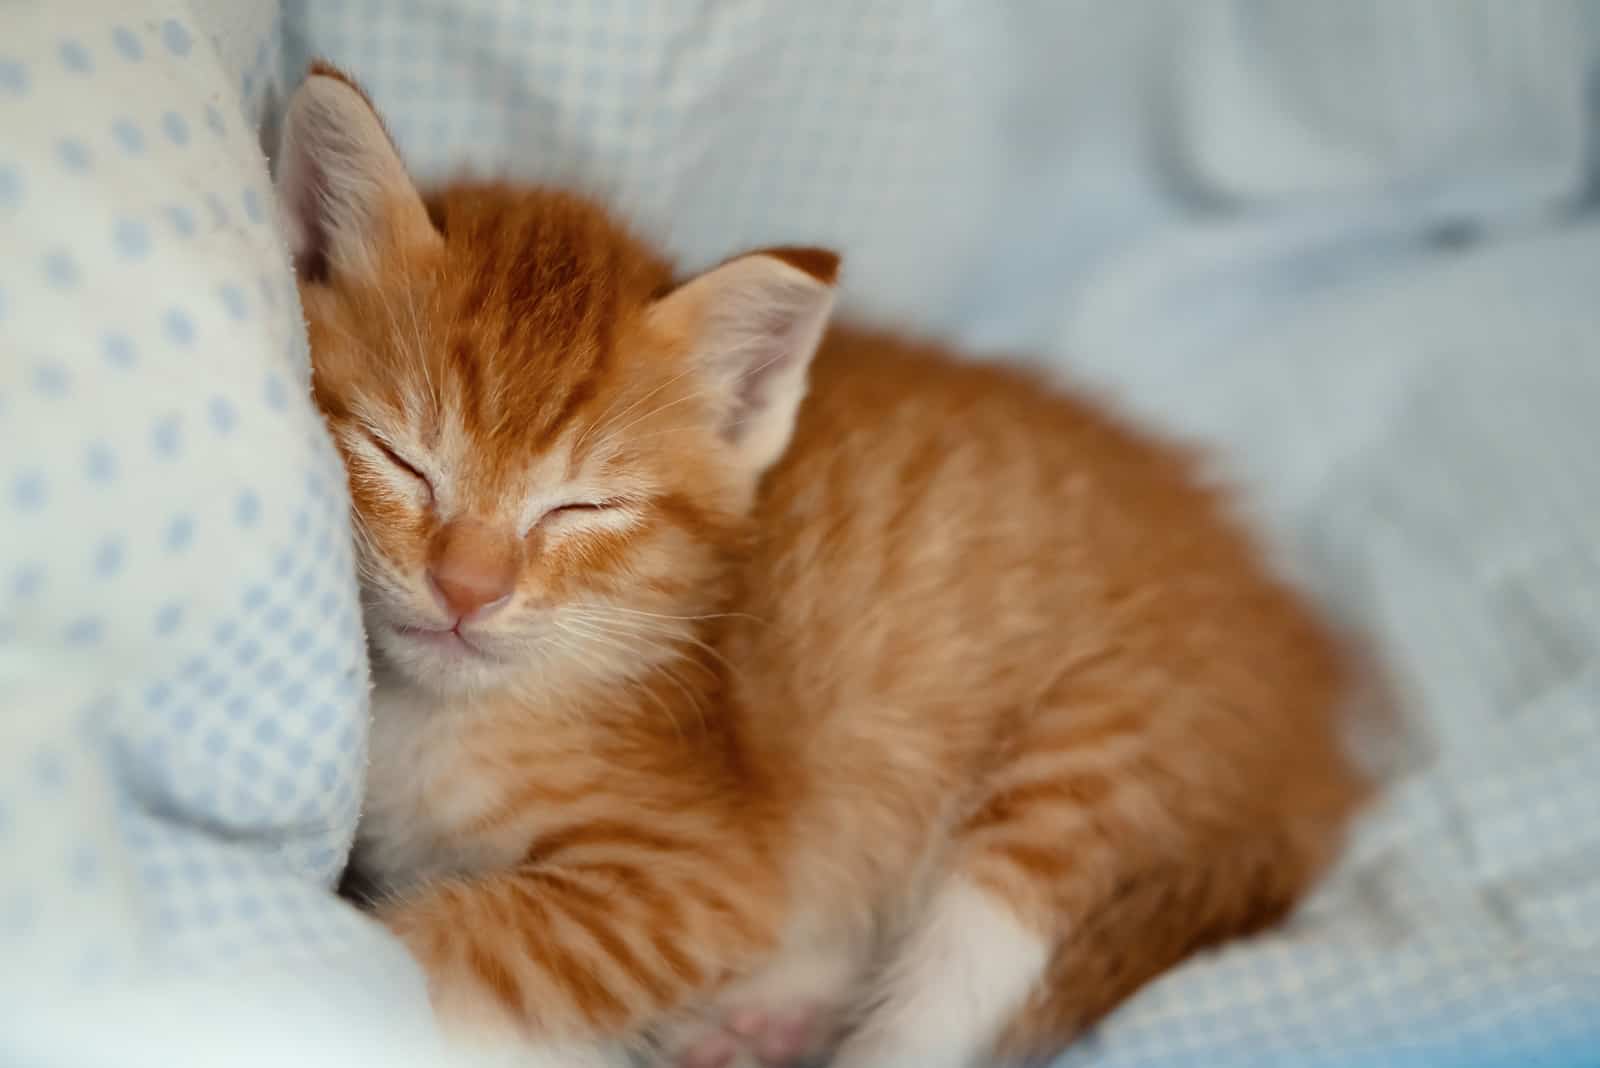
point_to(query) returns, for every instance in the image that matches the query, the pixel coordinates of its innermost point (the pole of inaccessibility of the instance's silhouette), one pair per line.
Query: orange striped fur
(740, 749)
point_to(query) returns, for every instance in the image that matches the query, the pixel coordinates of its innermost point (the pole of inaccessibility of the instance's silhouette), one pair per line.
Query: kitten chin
(942, 693)
(442, 660)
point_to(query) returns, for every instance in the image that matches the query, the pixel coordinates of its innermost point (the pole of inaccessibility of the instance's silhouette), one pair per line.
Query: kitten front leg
(965, 970)
(572, 954)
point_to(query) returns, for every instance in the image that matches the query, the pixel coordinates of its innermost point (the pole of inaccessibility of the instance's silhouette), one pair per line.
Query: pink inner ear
(771, 349)
(303, 193)
(302, 185)
(753, 325)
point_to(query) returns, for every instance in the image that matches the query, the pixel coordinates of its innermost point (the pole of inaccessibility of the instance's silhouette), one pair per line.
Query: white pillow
(182, 670)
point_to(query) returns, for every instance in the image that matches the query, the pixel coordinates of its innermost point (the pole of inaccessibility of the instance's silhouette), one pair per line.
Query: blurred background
(1349, 246)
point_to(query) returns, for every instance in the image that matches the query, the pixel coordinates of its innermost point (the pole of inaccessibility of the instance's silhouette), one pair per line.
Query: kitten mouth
(447, 639)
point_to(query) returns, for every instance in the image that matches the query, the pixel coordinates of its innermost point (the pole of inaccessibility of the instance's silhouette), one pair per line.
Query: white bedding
(182, 672)
(1412, 421)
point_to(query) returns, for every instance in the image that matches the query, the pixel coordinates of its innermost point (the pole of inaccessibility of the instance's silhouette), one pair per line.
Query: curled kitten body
(748, 689)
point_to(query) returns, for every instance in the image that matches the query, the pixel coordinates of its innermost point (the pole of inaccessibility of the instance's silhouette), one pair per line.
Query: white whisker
(638, 401)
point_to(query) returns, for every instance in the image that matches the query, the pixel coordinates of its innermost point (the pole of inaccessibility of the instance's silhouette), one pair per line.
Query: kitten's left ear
(346, 199)
(753, 325)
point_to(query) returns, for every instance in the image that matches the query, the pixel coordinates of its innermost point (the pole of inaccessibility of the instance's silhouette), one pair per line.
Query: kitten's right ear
(753, 325)
(345, 196)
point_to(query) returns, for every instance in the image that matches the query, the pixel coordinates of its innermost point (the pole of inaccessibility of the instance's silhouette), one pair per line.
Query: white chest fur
(421, 794)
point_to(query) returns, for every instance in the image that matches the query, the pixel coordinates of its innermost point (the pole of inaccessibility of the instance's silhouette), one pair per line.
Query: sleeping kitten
(705, 716)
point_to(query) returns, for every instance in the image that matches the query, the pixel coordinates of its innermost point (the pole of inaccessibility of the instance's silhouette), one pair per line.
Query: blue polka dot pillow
(182, 670)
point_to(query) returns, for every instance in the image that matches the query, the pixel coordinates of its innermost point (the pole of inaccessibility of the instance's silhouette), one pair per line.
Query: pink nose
(473, 569)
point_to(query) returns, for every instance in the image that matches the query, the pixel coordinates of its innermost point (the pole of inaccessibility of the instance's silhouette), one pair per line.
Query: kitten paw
(750, 1036)
(789, 1013)
(780, 1038)
(717, 1049)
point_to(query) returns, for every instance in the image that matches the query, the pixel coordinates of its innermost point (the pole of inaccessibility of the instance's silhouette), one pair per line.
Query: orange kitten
(929, 717)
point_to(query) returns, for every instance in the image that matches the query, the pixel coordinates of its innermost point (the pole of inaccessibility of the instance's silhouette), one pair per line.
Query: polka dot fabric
(182, 666)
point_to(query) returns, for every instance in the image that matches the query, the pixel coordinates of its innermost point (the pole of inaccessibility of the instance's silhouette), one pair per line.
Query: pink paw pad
(716, 1050)
(777, 1038)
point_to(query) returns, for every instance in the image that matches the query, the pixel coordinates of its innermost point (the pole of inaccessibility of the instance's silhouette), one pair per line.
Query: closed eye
(400, 462)
(580, 507)
(579, 515)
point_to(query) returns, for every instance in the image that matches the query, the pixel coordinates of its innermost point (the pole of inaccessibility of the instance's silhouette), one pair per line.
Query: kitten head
(551, 448)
